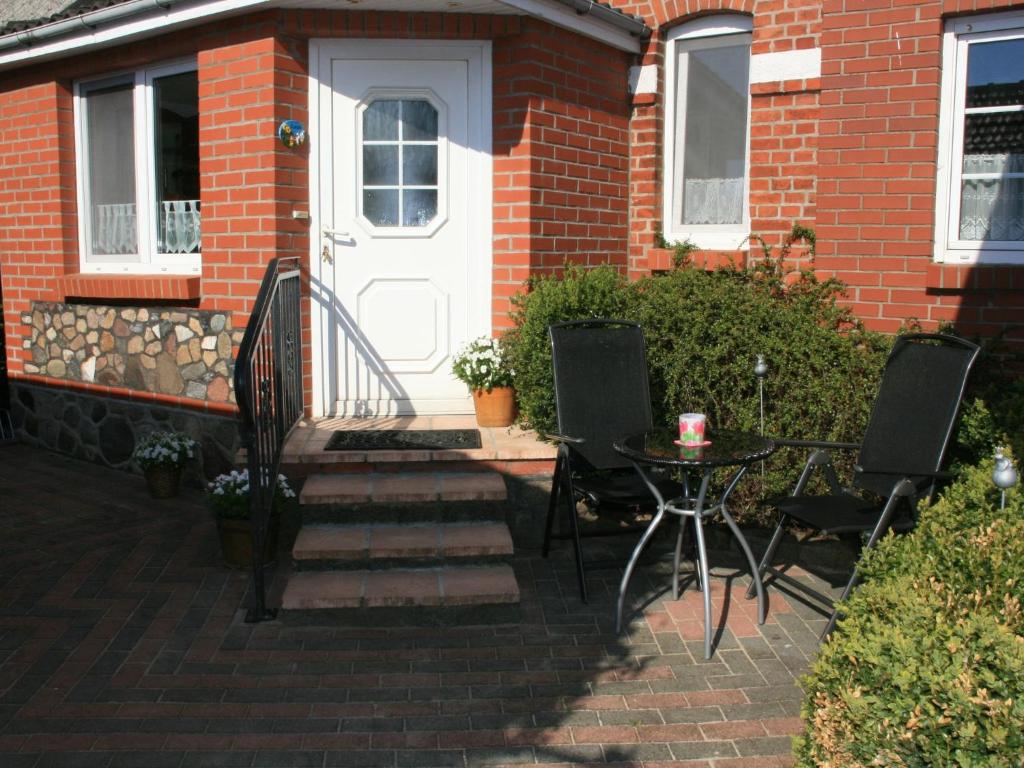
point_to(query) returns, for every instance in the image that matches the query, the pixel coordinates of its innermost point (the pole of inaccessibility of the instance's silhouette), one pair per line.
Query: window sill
(975, 277)
(148, 288)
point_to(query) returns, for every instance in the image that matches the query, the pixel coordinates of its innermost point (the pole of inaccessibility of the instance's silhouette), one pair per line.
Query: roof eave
(138, 19)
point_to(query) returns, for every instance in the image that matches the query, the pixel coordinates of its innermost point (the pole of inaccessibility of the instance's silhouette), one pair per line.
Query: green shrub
(927, 668)
(581, 293)
(704, 331)
(993, 412)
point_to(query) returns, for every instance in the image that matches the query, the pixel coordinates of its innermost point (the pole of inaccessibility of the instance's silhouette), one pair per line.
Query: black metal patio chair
(601, 395)
(900, 456)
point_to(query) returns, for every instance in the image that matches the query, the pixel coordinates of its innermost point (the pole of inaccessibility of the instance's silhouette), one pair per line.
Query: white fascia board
(561, 16)
(161, 21)
(131, 28)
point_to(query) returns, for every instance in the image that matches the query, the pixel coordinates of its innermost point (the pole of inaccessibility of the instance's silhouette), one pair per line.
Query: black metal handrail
(268, 390)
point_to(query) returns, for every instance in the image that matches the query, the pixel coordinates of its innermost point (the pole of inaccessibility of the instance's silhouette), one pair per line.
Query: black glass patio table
(659, 448)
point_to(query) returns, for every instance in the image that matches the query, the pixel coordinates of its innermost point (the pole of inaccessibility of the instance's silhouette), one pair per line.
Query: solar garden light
(760, 371)
(1004, 475)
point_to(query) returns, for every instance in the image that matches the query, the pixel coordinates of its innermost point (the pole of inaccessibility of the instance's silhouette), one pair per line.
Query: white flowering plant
(483, 364)
(164, 449)
(229, 494)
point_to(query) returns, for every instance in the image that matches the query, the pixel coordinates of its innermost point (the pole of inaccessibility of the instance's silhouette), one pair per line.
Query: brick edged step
(416, 596)
(408, 543)
(322, 546)
(402, 487)
(403, 497)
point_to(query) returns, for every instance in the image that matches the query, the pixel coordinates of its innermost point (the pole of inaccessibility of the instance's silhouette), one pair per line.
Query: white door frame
(477, 54)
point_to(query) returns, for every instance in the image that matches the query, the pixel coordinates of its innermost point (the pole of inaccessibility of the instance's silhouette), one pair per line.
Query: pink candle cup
(691, 428)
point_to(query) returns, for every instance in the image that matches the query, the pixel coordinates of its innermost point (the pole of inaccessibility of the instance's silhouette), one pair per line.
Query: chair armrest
(941, 475)
(565, 439)
(815, 444)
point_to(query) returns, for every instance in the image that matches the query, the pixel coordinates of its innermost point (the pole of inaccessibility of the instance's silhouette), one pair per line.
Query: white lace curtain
(115, 228)
(992, 209)
(713, 201)
(180, 226)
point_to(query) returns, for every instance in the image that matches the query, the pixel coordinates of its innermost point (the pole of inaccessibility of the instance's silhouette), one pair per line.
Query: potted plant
(229, 499)
(161, 457)
(482, 365)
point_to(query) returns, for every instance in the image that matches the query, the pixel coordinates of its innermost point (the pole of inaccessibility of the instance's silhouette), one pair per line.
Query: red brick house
(451, 149)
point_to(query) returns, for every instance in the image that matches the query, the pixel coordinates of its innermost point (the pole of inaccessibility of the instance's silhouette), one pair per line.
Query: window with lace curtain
(137, 145)
(707, 118)
(980, 199)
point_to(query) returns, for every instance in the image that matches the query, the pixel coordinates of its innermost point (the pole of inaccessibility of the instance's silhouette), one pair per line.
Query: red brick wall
(561, 131)
(783, 124)
(560, 157)
(577, 166)
(38, 233)
(877, 170)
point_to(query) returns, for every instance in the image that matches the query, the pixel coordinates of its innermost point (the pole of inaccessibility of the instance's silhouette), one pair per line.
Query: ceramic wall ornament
(292, 133)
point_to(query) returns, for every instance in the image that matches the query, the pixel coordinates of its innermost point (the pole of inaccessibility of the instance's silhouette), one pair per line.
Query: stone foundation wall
(180, 352)
(105, 430)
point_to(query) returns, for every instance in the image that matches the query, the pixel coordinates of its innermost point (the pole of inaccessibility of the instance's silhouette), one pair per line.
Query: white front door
(402, 255)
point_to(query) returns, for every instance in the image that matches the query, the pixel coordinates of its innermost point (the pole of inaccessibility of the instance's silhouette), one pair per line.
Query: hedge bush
(927, 668)
(579, 294)
(704, 331)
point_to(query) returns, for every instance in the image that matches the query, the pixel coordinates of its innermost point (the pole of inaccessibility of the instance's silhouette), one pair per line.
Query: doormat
(402, 439)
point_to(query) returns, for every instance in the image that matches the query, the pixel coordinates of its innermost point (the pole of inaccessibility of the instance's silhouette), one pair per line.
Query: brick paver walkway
(122, 644)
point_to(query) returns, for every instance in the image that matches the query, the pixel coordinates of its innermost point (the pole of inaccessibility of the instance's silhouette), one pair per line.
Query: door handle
(327, 232)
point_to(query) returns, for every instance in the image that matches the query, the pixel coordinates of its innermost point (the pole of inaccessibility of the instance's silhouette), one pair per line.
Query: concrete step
(447, 587)
(387, 546)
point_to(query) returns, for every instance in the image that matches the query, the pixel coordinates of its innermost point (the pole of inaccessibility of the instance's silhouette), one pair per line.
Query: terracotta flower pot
(236, 541)
(163, 481)
(495, 408)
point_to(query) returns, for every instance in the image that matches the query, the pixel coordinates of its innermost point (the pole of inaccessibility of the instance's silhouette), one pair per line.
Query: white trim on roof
(560, 16)
(145, 18)
(146, 23)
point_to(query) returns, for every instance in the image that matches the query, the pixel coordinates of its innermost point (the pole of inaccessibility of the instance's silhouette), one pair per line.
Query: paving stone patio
(122, 644)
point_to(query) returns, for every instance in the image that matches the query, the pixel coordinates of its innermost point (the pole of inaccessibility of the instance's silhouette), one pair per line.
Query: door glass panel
(380, 165)
(419, 165)
(380, 206)
(380, 121)
(419, 207)
(419, 121)
(401, 162)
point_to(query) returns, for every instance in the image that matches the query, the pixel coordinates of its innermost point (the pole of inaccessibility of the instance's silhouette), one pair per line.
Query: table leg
(624, 584)
(702, 558)
(651, 528)
(755, 577)
(679, 551)
(754, 572)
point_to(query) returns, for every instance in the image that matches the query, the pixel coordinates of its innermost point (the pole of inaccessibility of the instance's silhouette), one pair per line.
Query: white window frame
(707, 236)
(148, 260)
(959, 34)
